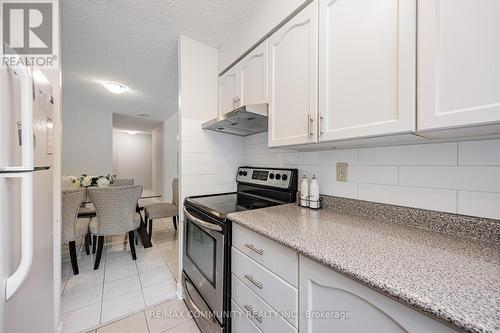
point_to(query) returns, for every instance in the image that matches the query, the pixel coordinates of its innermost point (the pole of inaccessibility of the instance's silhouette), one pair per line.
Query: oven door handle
(193, 304)
(201, 223)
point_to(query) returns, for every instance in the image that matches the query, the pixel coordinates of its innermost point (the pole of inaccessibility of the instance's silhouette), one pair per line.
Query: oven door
(203, 259)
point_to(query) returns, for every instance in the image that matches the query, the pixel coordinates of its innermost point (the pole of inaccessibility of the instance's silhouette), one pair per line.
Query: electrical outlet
(342, 171)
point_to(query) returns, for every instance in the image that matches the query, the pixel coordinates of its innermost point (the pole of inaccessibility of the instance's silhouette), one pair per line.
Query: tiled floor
(121, 286)
(169, 317)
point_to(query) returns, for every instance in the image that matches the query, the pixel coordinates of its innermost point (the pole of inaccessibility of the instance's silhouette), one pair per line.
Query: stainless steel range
(207, 240)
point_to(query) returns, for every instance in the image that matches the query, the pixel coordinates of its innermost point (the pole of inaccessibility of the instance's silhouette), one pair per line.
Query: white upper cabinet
(367, 65)
(228, 91)
(459, 63)
(252, 76)
(293, 77)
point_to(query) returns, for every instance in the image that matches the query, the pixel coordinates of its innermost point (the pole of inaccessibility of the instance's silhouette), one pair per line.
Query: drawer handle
(254, 249)
(252, 312)
(250, 278)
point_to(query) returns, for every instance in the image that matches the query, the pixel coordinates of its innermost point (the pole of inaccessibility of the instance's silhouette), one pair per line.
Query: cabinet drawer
(271, 288)
(278, 258)
(258, 311)
(241, 323)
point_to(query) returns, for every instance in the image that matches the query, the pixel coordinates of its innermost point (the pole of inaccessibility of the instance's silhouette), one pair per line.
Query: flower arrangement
(100, 181)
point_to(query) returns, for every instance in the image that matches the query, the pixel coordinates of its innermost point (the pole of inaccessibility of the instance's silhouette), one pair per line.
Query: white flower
(74, 181)
(102, 182)
(86, 181)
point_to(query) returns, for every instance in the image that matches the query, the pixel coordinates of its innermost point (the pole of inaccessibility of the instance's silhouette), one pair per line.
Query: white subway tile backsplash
(331, 157)
(339, 189)
(486, 152)
(209, 169)
(372, 174)
(425, 154)
(472, 178)
(425, 198)
(479, 204)
(208, 189)
(204, 158)
(424, 176)
(451, 177)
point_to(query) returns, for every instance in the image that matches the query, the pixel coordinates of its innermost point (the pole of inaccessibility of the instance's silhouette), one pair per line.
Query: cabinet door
(459, 66)
(228, 87)
(367, 52)
(252, 75)
(293, 80)
(353, 307)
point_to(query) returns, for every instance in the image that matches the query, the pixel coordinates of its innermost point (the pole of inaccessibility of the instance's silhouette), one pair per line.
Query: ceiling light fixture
(132, 132)
(115, 87)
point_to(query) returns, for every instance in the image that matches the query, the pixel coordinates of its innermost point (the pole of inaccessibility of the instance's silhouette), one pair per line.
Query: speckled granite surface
(452, 278)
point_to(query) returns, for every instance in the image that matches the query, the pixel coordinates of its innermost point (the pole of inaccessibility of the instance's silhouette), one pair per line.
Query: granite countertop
(449, 277)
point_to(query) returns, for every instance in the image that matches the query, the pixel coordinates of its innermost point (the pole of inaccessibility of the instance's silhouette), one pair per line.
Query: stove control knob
(245, 173)
(284, 177)
(271, 176)
(240, 173)
(278, 176)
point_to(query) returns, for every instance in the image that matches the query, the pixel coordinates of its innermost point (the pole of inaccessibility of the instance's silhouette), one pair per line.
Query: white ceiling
(135, 42)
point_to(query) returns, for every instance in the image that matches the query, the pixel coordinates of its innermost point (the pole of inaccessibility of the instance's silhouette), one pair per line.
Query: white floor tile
(121, 286)
(149, 253)
(80, 298)
(160, 320)
(155, 276)
(121, 260)
(151, 264)
(120, 272)
(84, 280)
(82, 319)
(186, 327)
(127, 286)
(121, 306)
(159, 292)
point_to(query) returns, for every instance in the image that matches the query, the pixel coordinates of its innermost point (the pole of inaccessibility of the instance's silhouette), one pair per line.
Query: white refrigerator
(26, 208)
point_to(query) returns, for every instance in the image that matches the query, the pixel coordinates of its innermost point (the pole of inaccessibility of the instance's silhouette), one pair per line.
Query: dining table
(86, 212)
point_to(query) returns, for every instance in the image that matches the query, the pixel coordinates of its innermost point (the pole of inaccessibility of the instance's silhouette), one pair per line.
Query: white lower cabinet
(257, 310)
(324, 302)
(278, 293)
(240, 323)
(331, 302)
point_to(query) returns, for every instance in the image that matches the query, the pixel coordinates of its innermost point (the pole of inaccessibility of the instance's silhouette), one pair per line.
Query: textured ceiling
(135, 42)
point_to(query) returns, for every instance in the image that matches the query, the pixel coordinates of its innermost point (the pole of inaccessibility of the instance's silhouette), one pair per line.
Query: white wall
(132, 157)
(87, 141)
(461, 177)
(170, 154)
(269, 14)
(157, 160)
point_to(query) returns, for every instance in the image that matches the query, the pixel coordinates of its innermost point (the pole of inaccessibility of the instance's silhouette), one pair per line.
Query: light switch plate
(342, 171)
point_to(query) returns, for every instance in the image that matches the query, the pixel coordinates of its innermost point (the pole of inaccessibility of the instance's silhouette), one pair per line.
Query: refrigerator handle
(26, 131)
(16, 280)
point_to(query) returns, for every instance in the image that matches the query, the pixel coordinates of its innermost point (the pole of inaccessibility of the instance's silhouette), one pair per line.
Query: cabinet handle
(252, 247)
(252, 312)
(309, 126)
(236, 102)
(250, 278)
(321, 124)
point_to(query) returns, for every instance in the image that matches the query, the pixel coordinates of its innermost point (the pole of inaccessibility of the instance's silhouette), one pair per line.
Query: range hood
(244, 121)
